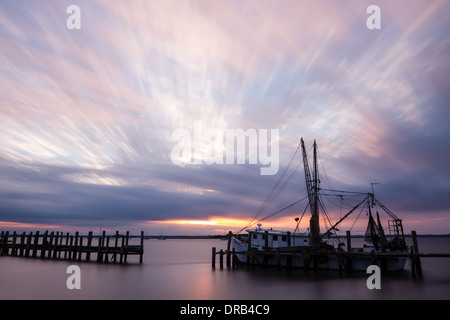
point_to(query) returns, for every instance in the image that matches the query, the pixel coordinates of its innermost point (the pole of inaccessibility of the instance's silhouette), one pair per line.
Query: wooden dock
(61, 245)
(346, 257)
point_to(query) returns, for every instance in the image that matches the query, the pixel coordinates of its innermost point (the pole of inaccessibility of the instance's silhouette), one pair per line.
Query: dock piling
(50, 245)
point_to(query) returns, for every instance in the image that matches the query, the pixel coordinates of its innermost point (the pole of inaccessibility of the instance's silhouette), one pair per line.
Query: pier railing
(59, 245)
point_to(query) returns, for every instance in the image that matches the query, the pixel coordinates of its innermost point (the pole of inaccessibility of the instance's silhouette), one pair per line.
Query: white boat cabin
(261, 238)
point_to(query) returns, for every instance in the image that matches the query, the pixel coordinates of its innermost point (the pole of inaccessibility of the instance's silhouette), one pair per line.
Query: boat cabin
(267, 238)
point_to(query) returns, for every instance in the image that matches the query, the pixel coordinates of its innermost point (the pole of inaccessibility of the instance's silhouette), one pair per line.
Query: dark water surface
(181, 269)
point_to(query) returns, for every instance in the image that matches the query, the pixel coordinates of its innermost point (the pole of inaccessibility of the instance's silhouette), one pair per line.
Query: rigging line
(322, 205)
(276, 212)
(287, 207)
(300, 220)
(362, 209)
(293, 197)
(323, 167)
(346, 215)
(272, 194)
(343, 191)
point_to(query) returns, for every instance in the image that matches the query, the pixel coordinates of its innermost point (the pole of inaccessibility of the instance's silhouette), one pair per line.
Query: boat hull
(298, 257)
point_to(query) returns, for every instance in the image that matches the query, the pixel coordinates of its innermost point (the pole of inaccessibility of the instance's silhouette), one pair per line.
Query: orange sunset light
(8, 224)
(282, 222)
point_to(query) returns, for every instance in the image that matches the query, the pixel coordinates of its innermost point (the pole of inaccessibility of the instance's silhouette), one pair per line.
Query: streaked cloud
(86, 116)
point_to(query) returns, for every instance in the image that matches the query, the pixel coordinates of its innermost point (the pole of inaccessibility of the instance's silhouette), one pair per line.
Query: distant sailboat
(161, 237)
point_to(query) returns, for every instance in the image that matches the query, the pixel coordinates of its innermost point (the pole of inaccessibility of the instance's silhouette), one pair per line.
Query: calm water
(181, 269)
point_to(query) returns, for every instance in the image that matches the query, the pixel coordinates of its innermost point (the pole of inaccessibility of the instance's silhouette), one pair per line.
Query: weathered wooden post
(416, 252)
(35, 245)
(213, 258)
(230, 234)
(122, 248)
(116, 243)
(89, 243)
(13, 247)
(44, 244)
(66, 251)
(142, 247)
(22, 243)
(50, 244)
(221, 258)
(80, 249)
(28, 246)
(55, 246)
(126, 246)
(107, 249)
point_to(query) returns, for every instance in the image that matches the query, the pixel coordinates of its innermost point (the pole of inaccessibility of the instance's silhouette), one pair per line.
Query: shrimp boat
(325, 250)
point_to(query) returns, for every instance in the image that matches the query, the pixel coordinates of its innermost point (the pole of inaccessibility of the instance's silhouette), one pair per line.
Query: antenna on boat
(373, 192)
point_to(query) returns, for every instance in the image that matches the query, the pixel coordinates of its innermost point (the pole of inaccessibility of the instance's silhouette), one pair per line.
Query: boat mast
(312, 186)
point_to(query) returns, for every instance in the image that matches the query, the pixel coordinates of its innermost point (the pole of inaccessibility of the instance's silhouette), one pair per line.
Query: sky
(87, 115)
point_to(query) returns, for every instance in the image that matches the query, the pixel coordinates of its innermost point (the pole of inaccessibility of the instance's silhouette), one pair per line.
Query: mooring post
(35, 245)
(213, 258)
(116, 242)
(50, 244)
(80, 249)
(44, 244)
(142, 247)
(221, 258)
(99, 249)
(126, 248)
(13, 248)
(70, 247)
(5, 249)
(67, 246)
(416, 252)
(22, 243)
(122, 249)
(107, 249)
(230, 234)
(28, 246)
(89, 243)
(55, 247)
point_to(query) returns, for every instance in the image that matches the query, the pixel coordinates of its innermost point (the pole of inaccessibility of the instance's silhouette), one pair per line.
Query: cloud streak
(86, 116)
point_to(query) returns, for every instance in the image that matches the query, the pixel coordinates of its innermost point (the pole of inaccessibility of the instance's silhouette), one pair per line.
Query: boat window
(283, 238)
(255, 236)
(275, 238)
